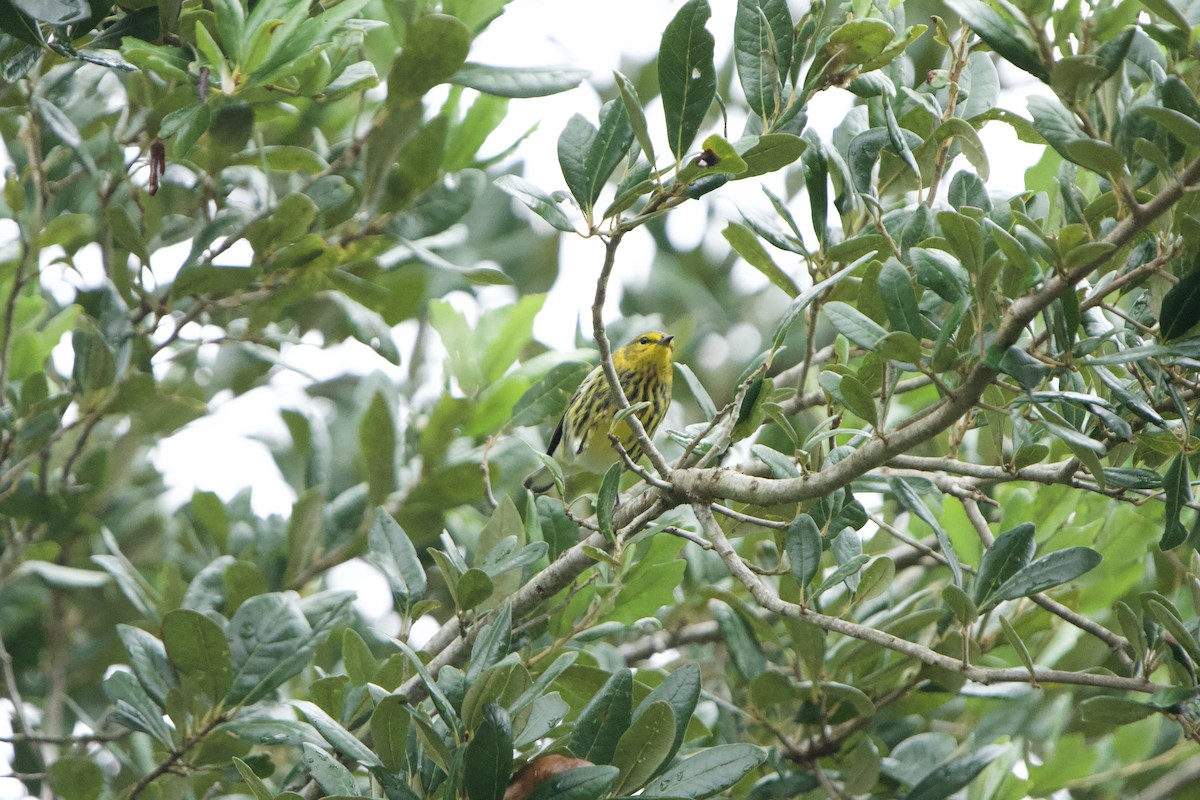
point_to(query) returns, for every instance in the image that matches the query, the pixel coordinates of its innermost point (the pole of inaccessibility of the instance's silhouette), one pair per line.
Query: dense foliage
(934, 536)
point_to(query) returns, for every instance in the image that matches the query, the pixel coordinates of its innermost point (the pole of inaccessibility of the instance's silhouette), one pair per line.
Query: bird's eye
(644, 340)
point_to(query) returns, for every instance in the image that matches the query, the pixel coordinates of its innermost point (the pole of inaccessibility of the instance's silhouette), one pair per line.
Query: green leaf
(744, 649)
(342, 740)
(440, 701)
(687, 77)
(1167, 10)
(604, 720)
(946, 779)
(1180, 307)
(134, 708)
(270, 640)
(356, 77)
(329, 774)
(489, 756)
(389, 732)
(609, 147)
(771, 152)
(1114, 710)
(965, 236)
(859, 41)
(283, 158)
(435, 48)
(915, 506)
(1004, 33)
(1015, 641)
(864, 151)
(257, 788)
(391, 551)
(54, 12)
(517, 82)
(697, 389)
(1009, 553)
(536, 200)
(960, 604)
(606, 501)
(1169, 617)
(492, 644)
(583, 783)
(748, 246)
(645, 746)
(968, 140)
(712, 770)
(1178, 124)
(148, 658)
(853, 324)
(377, 442)
(197, 647)
(805, 298)
(681, 691)
(756, 54)
(76, 778)
(1047, 572)
(1177, 492)
(900, 299)
(474, 587)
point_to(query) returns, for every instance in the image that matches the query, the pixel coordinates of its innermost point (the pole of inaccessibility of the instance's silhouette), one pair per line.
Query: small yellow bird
(644, 368)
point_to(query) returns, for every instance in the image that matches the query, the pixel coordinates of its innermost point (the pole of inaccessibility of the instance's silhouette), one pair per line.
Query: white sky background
(225, 451)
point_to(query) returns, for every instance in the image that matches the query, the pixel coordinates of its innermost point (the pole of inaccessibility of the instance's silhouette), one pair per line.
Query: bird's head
(652, 348)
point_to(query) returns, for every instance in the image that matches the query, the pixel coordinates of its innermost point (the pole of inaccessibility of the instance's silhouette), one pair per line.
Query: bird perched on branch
(644, 369)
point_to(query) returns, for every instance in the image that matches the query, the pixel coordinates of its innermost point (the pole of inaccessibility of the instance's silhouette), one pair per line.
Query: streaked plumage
(644, 368)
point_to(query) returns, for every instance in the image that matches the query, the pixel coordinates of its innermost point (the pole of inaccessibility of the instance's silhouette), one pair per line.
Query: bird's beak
(666, 341)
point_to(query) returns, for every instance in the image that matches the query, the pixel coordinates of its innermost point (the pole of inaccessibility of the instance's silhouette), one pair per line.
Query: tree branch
(769, 600)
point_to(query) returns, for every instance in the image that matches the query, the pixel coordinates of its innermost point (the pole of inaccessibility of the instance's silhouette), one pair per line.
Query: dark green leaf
(854, 325)
(377, 442)
(900, 299)
(864, 151)
(148, 658)
(606, 501)
(681, 691)
(756, 52)
(946, 779)
(1005, 34)
(270, 640)
(392, 552)
(710, 771)
(1010, 552)
(342, 740)
(687, 77)
(489, 756)
(582, 783)
(604, 720)
(389, 732)
(1180, 307)
(771, 152)
(1047, 572)
(328, 772)
(492, 643)
(912, 501)
(197, 647)
(645, 746)
(1178, 491)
